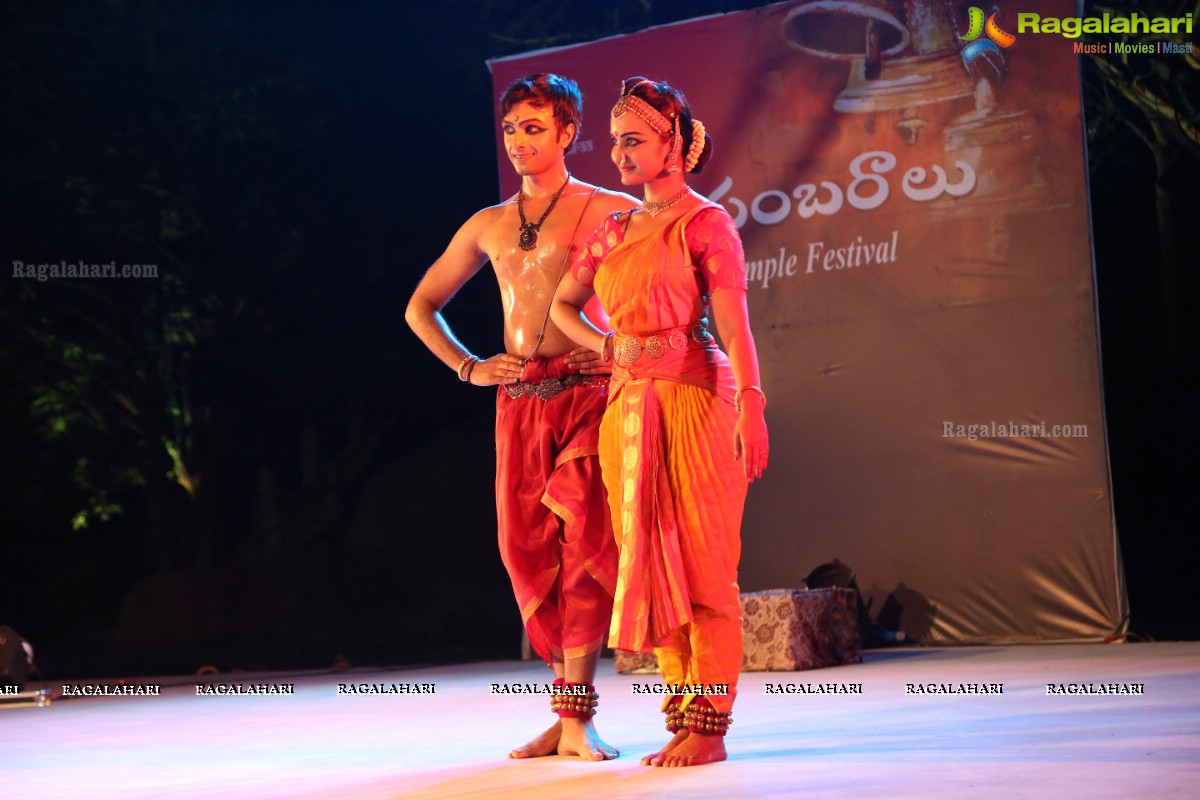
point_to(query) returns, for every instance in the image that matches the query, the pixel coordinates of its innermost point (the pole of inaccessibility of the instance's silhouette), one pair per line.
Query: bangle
(737, 398)
(461, 369)
(606, 346)
(470, 369)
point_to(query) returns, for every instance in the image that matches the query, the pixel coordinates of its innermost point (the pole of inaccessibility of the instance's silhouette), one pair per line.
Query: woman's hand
(750, 441)
(587, 362)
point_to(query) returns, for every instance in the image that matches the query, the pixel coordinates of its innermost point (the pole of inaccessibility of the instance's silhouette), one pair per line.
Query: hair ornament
(697, 148)
(635, 105)
(676, 144)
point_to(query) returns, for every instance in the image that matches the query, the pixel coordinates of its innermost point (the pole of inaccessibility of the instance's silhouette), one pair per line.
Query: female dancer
(684, 432)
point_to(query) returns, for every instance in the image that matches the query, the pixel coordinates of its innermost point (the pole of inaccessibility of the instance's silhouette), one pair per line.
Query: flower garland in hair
(697, 148)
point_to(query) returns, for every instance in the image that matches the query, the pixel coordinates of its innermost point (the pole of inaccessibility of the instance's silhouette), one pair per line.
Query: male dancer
(555, 536)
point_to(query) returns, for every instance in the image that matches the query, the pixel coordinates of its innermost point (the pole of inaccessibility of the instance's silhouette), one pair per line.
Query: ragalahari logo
(996, 37)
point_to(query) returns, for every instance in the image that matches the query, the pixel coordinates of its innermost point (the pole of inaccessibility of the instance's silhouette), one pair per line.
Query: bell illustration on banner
(873, 35)
(1000, 144)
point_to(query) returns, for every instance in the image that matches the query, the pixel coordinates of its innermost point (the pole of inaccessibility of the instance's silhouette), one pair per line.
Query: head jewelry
(660, 124)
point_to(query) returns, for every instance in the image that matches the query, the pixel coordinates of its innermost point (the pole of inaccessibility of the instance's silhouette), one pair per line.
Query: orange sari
(666, 446)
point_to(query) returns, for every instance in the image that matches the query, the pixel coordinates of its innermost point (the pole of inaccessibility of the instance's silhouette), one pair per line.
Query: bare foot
(544, 744)
(656, 759)
(579, 738)
(696, 750)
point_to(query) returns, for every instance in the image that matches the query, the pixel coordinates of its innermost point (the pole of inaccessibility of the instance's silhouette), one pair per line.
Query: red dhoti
(556, 539)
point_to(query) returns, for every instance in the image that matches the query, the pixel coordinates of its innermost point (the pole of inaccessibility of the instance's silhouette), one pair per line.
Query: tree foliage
(1150, 102)
(1155, 96)
(149, 137)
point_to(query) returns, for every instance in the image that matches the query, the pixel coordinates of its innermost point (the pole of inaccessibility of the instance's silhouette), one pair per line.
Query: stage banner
(910, 184)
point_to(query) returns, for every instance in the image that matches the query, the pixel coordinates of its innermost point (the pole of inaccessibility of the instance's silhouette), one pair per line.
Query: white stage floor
(882, 743)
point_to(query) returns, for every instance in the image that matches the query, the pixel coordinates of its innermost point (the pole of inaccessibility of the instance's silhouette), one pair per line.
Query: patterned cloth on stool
(786, 630)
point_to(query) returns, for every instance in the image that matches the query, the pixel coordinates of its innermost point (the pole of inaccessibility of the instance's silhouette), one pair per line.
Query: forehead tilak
(531, 114)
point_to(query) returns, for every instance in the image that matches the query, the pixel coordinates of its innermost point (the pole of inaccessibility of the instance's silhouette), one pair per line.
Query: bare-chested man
(555, 537)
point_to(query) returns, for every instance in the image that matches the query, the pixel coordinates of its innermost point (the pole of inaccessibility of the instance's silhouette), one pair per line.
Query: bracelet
(737, 398)
(461, 369)
(606, 345)
(470, 369)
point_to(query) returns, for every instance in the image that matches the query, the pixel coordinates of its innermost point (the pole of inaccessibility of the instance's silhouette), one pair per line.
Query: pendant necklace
(529, 230)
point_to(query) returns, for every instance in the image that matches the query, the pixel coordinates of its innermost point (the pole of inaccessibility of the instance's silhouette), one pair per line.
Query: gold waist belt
(628, 349)
(552, 387)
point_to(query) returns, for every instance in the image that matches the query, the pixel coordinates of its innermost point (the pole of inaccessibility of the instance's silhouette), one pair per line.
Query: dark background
(292, 169)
